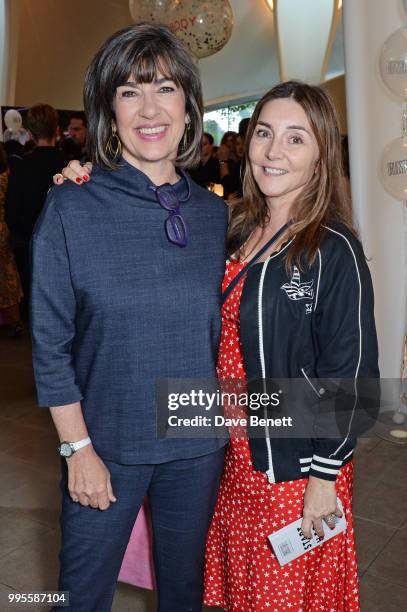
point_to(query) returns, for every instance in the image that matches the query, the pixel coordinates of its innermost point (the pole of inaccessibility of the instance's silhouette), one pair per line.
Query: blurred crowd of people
(26, 175)
(222, 165)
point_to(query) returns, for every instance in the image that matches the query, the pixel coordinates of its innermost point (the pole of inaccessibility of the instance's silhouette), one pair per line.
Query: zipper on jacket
(321, 390)
(270, 472)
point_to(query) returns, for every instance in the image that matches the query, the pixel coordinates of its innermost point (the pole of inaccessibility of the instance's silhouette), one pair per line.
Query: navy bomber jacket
(311, 325)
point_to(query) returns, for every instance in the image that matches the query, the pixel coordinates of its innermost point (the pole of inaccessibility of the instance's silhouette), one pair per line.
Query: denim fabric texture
(115, 306)
(182, 497)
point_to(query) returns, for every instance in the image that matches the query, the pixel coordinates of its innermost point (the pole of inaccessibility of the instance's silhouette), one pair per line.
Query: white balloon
(394, 168)
(15, 131)
(399, 418)
(13, 120)
(393, 62)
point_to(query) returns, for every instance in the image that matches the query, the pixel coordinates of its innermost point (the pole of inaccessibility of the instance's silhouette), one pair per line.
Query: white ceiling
(248, 64)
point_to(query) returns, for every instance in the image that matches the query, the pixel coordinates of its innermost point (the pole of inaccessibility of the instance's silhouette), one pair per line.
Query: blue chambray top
(115, 306)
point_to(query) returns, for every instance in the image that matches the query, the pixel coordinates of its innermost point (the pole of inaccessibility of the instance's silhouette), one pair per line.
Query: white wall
(374, 119)
(3, 52)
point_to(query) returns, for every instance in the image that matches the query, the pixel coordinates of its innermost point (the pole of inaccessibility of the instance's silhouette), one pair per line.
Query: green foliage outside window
(221, 120)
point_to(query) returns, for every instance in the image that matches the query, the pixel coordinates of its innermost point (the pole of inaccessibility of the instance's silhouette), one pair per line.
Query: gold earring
(186, 136)
(114, 145)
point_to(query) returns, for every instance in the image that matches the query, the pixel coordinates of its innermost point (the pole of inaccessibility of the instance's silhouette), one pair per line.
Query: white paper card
(289, 542)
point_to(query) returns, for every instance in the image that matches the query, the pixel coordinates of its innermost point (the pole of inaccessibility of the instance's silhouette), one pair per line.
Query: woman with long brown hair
(303, 311)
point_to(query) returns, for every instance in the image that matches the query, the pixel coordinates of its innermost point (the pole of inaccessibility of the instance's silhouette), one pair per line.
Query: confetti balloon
(394, 168)
(393, 62)
(152, 11)
(204, 27)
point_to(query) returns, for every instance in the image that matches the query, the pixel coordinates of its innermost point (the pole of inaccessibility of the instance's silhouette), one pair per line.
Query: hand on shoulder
(75, 172)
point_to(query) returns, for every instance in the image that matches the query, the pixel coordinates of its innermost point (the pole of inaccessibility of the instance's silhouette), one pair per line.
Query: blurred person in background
(28, 187)
(29, 146)
(14, 151)
(10, 287)
(229, 166)
(74, 146)
(241, 137)
(207, 171)
(228, 144)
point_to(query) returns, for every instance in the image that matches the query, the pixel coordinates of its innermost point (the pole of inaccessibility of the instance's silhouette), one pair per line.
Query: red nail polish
(85, 177)
(78, 180)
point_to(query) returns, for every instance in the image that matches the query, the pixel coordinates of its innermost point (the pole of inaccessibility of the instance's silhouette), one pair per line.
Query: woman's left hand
(319, 503)
(75, 172)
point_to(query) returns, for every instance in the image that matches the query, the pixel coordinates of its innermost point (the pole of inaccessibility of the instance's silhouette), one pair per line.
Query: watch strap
(80, 444)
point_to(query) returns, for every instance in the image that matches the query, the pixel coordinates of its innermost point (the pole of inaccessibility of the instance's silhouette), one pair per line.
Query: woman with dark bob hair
(126, 276)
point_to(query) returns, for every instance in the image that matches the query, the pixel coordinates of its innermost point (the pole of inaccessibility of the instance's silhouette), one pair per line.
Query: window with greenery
(221, 120)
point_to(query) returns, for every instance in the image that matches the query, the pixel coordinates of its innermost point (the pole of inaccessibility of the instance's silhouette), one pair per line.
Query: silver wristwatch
(67, 449)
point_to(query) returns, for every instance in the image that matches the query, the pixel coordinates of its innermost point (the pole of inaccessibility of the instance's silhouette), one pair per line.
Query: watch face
(65, 449)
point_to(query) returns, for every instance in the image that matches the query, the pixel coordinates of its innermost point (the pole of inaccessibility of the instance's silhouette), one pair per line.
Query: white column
(9, 30)
(374, 119)
(3, 51)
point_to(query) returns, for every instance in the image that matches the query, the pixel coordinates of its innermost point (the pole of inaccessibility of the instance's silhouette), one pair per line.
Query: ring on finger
(331, 518)
(75, 499)
(60, 176)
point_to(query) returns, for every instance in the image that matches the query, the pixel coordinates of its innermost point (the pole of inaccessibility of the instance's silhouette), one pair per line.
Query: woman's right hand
(89, 479)
(320, 502)
(74, 172)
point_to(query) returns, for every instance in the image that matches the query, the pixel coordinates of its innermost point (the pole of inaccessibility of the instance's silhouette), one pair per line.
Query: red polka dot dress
(241, 571)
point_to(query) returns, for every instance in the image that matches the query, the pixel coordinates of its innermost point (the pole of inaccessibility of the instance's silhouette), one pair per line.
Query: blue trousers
(182, 497)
